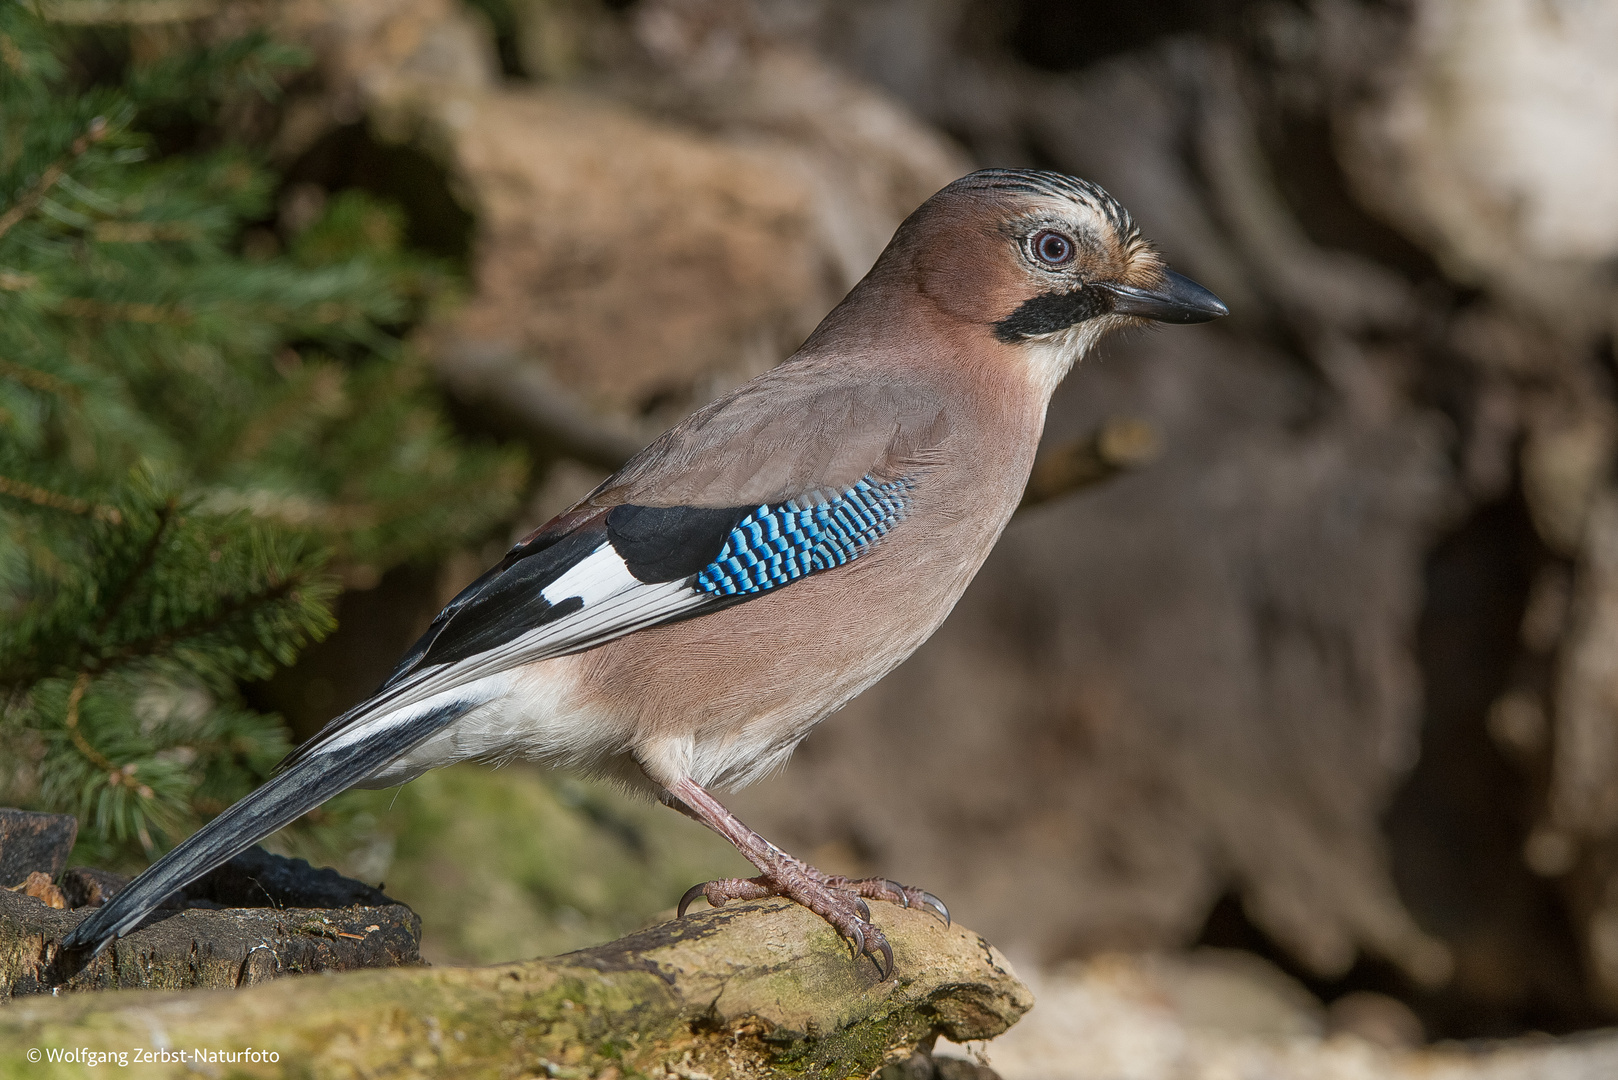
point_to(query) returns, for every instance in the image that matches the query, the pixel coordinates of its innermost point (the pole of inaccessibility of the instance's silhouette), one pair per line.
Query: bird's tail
(308, 783)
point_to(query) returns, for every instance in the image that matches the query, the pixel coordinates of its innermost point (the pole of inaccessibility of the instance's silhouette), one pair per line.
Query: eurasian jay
(687, 623)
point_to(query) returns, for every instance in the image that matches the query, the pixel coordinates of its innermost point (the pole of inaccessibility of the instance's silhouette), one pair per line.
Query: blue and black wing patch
(774, 545)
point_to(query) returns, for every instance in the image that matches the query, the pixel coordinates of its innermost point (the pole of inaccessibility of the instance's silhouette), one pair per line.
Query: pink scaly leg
(838, 900)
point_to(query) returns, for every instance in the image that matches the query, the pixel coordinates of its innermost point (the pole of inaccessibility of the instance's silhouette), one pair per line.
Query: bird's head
(1041, 262)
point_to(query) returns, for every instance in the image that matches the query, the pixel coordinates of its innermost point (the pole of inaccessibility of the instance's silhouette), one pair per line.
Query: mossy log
(764, 989)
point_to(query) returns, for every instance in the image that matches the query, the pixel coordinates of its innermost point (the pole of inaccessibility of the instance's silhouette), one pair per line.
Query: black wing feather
(667, 543)
(502, 604)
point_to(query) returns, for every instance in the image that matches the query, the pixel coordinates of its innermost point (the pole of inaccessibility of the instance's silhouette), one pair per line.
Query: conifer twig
(141, 232)
(21, 489)
(127, 586)
(122, 311)
(71, 722)
(158, 642)
(35, 379)
(115, 775)
(54, 172)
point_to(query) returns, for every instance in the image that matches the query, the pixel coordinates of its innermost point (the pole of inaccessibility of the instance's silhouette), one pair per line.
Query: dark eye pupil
(1054, 247)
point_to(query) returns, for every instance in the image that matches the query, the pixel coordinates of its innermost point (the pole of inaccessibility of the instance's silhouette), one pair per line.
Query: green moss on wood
(755, 990)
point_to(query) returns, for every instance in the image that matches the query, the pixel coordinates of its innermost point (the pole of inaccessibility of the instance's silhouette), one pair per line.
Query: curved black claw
(865, 909)
(859, 941)
(887, 951)
(895, 887)
(936, 904)
(690, 896)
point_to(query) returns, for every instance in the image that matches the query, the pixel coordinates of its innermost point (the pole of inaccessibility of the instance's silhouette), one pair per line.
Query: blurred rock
(362, 46)
(1377, 1018)
(642, 267)
(1584, 794)
(1234, 992)
(1587, 712)
(646, 239)
(1122, 1016)
(1489, 135)
(868, 160)
(639, 253)
(87, 886)
(1566, 464)
(32, 842)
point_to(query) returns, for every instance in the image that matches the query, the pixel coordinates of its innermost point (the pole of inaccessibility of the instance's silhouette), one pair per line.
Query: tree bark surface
(751, 990)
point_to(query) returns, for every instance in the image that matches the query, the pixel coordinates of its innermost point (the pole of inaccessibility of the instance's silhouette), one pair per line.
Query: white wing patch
(598, 576)
(616, 603)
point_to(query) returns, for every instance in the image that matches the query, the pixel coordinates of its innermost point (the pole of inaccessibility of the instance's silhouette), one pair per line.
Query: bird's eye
(1053, 248)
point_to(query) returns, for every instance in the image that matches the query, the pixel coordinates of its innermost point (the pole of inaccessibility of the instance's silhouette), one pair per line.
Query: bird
(687, 623)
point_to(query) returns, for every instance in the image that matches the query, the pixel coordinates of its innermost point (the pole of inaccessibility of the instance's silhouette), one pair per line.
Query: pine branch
(164, 514)
(54, 172)
(159, 643)
(141, 232)
(71, 722)
(116, 311)
(19, 489)
(125, 13)
(34, 379)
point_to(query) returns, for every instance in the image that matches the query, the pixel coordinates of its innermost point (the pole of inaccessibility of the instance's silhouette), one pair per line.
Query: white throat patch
(1051, 356)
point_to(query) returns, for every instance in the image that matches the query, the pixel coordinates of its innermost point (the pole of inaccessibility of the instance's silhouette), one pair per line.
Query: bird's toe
(721, 890)
(851, 918)
(894, 893)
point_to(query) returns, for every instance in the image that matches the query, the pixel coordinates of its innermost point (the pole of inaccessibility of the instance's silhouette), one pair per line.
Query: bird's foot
(838, 900)
(842, 907)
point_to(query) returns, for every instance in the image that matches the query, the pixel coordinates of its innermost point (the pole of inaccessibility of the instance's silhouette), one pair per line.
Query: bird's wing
(765, 486)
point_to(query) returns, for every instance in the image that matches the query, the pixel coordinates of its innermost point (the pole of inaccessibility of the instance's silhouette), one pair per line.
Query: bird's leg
(838, 900)
(874, 888)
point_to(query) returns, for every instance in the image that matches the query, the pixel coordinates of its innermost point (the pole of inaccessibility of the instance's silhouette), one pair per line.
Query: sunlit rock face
(1496, 139)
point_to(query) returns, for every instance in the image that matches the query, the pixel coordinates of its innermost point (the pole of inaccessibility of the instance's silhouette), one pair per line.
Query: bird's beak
(1177, 300)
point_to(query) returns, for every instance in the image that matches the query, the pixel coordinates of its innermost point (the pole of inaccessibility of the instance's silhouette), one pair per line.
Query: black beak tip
(1178, 300)
(1190, 302)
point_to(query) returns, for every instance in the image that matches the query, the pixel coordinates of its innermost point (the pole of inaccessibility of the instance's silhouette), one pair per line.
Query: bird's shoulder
(813, 424)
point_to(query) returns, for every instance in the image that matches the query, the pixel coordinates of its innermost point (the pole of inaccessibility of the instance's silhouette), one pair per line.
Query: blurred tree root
(754, 990)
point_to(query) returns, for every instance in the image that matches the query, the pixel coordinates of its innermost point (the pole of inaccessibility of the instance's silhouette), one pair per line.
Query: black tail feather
(281, 800)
